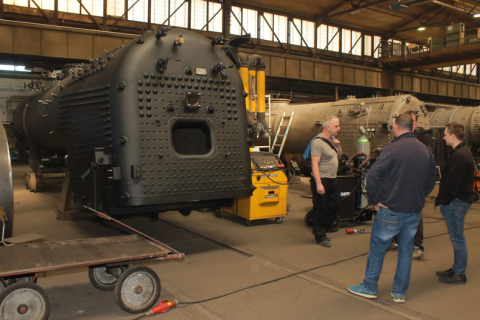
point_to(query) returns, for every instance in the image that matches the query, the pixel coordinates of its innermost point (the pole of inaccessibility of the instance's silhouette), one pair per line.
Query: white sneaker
(417, 253)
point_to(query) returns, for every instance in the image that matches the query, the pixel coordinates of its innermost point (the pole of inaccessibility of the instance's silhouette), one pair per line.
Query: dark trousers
(325, 206)
(418, 239)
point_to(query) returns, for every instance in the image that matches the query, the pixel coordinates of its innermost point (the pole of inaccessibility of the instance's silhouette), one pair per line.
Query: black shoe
(455, 278)
(446, 273)
(325, 243)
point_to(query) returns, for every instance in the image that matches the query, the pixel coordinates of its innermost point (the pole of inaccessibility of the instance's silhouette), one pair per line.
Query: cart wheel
(248, 223)
(278, 220)
(335, 225)
(104, 278)
(24, 300)
(219, 213)
(309, 218)
(137, 289)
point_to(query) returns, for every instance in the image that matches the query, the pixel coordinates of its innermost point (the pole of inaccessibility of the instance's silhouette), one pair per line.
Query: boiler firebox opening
(191, 137)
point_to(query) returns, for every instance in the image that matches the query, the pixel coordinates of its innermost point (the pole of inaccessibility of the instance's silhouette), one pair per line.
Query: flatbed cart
(136, 289)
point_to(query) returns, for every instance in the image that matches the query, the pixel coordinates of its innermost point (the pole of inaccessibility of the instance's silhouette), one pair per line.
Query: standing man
(426, 138)
(398, 182)
(326, 152)
(455, 197)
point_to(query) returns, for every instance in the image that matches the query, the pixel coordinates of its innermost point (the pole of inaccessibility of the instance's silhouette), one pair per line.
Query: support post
(227, 7)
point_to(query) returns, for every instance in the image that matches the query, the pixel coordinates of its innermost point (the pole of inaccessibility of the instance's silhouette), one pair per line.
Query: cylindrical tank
(363, 145)
(376, 115)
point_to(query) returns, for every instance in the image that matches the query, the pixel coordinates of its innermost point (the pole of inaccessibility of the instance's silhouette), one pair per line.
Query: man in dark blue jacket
(397, 184)
(455, 197)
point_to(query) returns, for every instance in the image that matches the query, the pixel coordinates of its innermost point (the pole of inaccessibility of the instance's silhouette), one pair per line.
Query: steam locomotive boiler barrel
(377, 115)
(36, 122)
(159, 123)
(470, 117)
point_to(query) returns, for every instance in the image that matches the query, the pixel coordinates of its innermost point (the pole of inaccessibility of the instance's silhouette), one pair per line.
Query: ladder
(282, 132)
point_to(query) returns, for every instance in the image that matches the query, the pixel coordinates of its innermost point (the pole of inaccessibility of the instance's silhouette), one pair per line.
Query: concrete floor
(265, 271)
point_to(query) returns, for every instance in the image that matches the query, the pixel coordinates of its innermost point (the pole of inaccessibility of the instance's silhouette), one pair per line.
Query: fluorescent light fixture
(421, 28)
(476, 15)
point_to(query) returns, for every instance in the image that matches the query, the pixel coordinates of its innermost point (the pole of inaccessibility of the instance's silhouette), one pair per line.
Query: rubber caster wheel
(309, 218)
(105, 278)
(336, 225)
(219, 213)
(33, 182)
(137, 289)
(248, 223)
(27, 181)
(24, 300)
(278, 220)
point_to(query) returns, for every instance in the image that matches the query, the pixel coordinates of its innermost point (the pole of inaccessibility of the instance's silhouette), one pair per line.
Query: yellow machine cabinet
(269, 198)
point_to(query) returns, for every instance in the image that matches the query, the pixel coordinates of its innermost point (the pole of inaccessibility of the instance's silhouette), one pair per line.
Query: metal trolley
(136, 288)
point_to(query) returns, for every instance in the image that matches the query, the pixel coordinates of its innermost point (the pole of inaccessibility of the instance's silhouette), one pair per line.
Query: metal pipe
(447, 5)
(439, 105)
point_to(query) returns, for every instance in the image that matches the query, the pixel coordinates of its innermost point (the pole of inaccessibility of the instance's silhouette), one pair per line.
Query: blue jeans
(454, 215)
(387, 224)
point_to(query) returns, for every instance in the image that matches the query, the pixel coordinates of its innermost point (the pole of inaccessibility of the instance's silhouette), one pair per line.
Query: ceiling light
(476, 15)
(421, 28)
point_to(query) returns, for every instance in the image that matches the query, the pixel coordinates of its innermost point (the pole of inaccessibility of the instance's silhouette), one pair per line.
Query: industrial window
(139, 12)
(44, 4)
(250, 21)
(71, 6)
(295, 32)
(95, 8)
(376, 45)
(346, 40)
(215, 14)
(308, 32)
(327, 38)
(280, 24)
(115, 8)
(471, 69)
(180, 18)
(368, 46)
(21, 3)
(356, 43)
(265, 31)
(199, 14)
(160, 12)
(243, 17)
(236, 20)
(301, 28)
(7, 67)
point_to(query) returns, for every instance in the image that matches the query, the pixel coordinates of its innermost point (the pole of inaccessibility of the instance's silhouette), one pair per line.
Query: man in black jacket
(455, 197)
(397, 184)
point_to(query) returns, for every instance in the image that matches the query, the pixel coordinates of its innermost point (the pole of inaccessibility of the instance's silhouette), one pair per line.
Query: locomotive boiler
(158, 124)
(377, 116)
